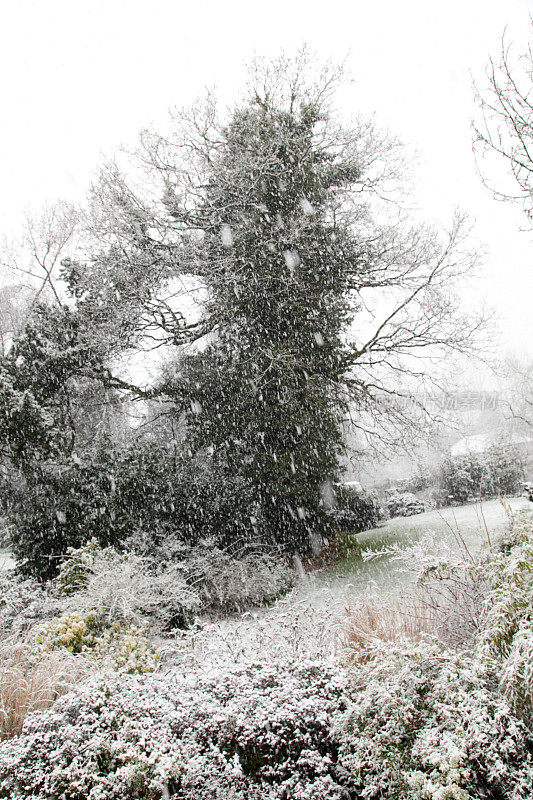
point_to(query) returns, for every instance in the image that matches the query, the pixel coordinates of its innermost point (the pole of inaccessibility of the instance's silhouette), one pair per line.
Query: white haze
(79, 79)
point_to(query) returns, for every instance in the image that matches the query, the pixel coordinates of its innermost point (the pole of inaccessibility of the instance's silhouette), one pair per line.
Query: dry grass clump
(30, 681)
(371, 621)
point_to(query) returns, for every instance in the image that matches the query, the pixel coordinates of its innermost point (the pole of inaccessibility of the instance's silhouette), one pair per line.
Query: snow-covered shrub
(499, 470)
(123, 647)
(256, 732)
(125, 586)
(505, 639)
(355, 509)
(75, 570)
(24, 602)
(167, 589)
(404, 504)
(428, 724)
(453, 585)
(228, 581)
(449, 585)
(506, 466)
(482, 603)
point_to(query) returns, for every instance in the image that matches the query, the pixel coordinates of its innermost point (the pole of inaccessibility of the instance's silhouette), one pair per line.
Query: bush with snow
(356, 509)
(430, 720)
(405, 504)
(255, 732)
(225, 579)
(485, 604)
(25, 602)
(228, 581)
(411, 722)
(126, 587)
(118, 645)
(452, 585)
(498, 470)
(167, 589)
(505, 639)
(426, 723)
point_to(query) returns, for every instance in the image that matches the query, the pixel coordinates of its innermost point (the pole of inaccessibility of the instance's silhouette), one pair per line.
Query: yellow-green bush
(124, 647)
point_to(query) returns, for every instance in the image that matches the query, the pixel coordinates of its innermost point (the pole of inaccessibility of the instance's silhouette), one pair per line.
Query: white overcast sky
(81, 78)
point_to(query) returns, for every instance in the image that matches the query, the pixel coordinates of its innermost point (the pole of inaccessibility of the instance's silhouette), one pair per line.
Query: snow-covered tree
(271, 211)
(503, 128)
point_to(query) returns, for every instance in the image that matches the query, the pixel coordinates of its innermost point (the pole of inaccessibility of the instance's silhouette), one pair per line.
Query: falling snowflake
(226, 234)
(327, 494)
(292, 259)
(306, 207)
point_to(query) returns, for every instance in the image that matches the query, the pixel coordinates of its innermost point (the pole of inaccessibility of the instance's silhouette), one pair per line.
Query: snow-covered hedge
(255, 732)
(429, 724)
(130, 589)
(411, 722)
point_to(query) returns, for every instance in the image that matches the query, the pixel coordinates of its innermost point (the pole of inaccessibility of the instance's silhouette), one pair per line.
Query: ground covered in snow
(358, 683)
(308, 622)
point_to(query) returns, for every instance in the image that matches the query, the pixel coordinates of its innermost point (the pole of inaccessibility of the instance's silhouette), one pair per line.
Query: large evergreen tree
(266, 398)
(273, 222)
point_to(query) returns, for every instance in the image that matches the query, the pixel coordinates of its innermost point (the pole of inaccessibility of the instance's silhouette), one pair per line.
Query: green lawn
(383, 575)
(472, 520)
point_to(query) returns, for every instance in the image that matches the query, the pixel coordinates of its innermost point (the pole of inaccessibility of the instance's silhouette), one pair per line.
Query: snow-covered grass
(471, 520)
(461, 526)
(30, 681)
